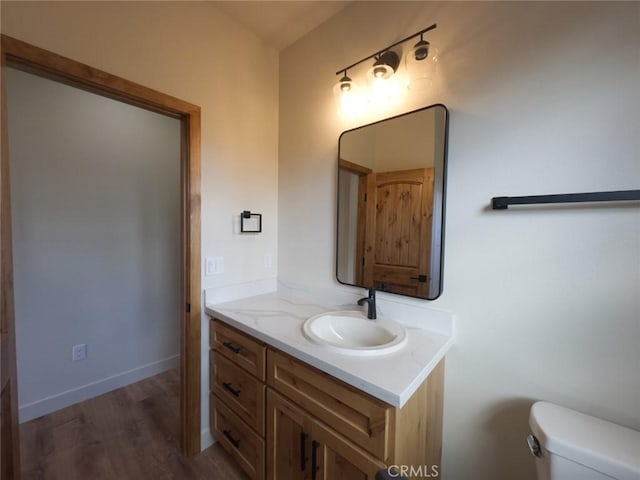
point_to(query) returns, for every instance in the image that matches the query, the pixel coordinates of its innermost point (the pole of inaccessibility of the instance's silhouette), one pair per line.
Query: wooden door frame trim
(24, 56)
(10, 448)
(353, 167)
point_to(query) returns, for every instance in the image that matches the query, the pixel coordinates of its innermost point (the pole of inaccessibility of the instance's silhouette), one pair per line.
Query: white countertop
(276, 319)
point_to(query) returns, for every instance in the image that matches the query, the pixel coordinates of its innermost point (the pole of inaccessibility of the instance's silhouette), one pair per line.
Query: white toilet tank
(575, 446)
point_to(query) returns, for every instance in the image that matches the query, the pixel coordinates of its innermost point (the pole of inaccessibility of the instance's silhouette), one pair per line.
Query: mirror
(391, 195)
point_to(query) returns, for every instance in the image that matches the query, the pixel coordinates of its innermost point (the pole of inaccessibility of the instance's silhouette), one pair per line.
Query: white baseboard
(206, 439)
(85, 392)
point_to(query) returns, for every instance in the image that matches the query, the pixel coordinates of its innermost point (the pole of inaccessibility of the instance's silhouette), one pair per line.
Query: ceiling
(281, 23)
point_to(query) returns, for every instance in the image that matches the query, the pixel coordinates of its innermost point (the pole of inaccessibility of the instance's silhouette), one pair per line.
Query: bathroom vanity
(305, 391)
(287, 409)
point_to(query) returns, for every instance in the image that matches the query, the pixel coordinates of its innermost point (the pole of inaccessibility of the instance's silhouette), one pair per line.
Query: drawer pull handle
(314, 460)
(229, 388)
(303, 451)
(232, 346)
(234, 441)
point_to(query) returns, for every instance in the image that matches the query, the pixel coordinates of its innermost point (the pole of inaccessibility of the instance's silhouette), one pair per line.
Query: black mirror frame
(445, 158)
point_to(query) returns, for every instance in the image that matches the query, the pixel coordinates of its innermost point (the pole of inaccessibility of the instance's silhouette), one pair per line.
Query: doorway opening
(28, 58)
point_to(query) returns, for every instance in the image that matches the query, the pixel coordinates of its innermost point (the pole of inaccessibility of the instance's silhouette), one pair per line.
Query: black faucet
(370, 300)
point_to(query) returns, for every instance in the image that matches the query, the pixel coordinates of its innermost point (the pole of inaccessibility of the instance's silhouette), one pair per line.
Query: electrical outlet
(268, 260)
(79, 352)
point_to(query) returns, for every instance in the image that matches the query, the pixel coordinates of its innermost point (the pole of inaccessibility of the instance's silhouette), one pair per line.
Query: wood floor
(130, 433)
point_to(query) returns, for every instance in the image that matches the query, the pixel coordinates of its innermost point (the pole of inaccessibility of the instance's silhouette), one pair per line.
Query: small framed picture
(250, 222)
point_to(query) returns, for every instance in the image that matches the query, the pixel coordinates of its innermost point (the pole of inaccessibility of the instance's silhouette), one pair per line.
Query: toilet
(569, 445)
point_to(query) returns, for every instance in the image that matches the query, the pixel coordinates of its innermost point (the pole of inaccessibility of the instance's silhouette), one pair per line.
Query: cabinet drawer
(363, 419)
(238, 347)
(240, 390)
(239, 440)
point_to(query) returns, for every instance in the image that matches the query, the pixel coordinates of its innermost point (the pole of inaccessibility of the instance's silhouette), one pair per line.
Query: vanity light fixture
(381, 76)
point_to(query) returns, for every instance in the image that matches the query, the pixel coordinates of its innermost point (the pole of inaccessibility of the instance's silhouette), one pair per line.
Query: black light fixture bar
(374, 55)
(502, 203)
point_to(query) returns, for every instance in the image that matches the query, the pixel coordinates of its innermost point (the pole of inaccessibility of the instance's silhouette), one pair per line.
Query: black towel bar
(502, 203)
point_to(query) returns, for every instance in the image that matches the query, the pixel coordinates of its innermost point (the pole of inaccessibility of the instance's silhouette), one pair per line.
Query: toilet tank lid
(600, 445)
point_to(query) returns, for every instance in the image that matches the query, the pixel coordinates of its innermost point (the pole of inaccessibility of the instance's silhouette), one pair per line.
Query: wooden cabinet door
(288, 440)
(301, 448)
(338, 459)
(362, 419)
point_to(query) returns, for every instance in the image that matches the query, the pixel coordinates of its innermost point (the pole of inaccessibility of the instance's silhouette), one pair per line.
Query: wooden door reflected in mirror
(391, 185)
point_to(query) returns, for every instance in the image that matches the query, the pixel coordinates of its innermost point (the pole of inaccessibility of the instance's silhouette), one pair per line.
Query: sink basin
(352, 333)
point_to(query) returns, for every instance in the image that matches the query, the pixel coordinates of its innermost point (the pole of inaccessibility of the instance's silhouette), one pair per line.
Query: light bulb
(385, 65)
(347, 96)
(383, 84)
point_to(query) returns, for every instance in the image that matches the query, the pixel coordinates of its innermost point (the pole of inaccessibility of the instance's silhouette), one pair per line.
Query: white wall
(194, 52)
(96, 233)
(544, 98)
